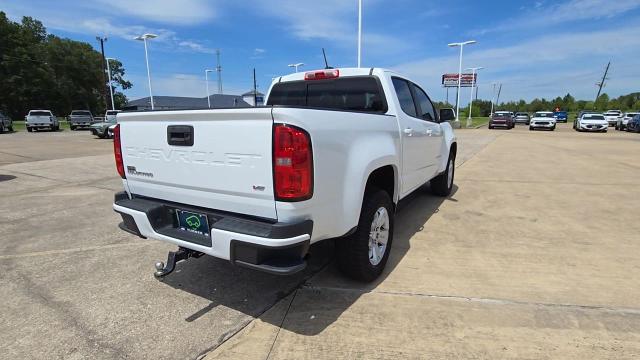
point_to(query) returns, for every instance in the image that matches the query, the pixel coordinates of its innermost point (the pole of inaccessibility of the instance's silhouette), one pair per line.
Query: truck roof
(347, 71)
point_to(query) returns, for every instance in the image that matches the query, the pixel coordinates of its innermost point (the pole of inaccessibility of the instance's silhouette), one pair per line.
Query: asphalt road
(75, 286)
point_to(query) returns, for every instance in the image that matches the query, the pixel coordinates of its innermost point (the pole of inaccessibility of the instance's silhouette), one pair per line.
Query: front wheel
(530, 128)
(29, 129)
(363, 254)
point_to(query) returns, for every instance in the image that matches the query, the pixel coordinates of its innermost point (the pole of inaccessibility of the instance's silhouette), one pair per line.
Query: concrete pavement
(533, 257)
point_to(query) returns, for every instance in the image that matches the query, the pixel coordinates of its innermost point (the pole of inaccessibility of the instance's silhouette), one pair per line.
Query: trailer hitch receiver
(174, 257)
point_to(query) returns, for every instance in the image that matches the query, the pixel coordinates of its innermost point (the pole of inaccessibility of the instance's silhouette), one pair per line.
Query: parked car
(561, 116)
(622, 123)
(634, 124)
(501, 120)
(110, 116)
(101, 129)
(592, 122)
(543, 120)
(522, 118)
(6, 124)
(41, 119)
(311, 165)
(80, 119)
(580, 114)
(612, 116)
(110, 131)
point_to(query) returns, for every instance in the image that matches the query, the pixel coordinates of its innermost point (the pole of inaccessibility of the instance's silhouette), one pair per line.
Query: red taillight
(117, 151)
(322, 74)
(292, 163)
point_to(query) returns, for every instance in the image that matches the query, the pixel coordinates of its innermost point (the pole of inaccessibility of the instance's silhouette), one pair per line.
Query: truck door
(427, 112)
(413, 132)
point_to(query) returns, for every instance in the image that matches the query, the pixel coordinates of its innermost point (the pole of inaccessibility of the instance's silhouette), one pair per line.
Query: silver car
(522, 118)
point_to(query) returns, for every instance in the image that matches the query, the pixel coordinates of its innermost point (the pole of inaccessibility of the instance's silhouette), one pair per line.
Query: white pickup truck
(41, 119)
(329, 157)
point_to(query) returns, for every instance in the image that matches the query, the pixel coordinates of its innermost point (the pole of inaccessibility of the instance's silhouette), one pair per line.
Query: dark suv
(503, 120)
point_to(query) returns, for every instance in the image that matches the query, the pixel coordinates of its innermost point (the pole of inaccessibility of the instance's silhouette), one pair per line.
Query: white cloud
(70, 20)
(333, 20)
(544, 66)
(569, 11)
(175, 12)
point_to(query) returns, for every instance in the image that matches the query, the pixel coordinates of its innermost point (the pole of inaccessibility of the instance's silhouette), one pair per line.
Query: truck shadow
(252, 292)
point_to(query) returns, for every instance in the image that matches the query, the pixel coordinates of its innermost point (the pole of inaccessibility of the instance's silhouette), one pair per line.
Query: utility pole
(104, 75)
(447, 94)
(601, 84)
(219, 71)
(255, 89)
(493, 96)
(499, 91)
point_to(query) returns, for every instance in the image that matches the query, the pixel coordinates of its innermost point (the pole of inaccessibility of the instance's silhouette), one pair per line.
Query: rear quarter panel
(347, 148)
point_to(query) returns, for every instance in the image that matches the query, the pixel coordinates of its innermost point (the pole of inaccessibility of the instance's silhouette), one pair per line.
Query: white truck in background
(41, 119)
(330, 156)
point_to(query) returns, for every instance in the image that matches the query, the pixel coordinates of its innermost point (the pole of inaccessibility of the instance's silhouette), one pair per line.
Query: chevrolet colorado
(329, 156)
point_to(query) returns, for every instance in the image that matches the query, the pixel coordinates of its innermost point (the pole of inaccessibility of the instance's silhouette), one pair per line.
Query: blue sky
(535, 48)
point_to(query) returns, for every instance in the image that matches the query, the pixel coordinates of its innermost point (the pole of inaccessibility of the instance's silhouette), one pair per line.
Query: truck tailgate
(227, 168)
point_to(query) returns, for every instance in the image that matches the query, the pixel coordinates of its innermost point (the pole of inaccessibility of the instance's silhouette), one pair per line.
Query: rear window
(39, 113)
(111, 112)
(83, 113)
(594, 117)
(362, 93)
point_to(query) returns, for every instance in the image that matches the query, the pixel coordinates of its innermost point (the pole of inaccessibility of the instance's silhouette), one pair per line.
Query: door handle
(180, 135)
(408, 131)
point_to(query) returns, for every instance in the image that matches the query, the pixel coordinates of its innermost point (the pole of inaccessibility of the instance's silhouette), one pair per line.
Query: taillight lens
(322, 74)
(292, 163)
(117, 151)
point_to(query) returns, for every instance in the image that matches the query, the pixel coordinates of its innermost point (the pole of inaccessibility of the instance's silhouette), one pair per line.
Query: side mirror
(447, 114)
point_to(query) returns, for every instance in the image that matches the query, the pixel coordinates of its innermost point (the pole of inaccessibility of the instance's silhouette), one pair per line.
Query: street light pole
(206, 80)
(113, 106)
(461, 45)
(359, 32)
(473, 83)
(144, 38)
(296, 66)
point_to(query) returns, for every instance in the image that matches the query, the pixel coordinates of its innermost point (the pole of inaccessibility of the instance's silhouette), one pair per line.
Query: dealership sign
(451, 80)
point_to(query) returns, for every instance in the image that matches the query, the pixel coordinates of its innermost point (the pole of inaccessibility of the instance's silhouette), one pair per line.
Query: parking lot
(535, 255)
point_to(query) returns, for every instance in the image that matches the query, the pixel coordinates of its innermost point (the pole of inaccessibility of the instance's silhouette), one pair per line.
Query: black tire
(352, 252)
(442, 185)
(553, 128)
(29, 129)
(11, 127)
(530, 128)
(72, 127)
(1, 128)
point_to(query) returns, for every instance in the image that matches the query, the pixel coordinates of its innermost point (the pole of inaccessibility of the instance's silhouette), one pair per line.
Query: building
(185, 103)
(248, 97)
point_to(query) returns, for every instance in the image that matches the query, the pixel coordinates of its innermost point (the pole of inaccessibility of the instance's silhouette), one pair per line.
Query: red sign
(451, 80)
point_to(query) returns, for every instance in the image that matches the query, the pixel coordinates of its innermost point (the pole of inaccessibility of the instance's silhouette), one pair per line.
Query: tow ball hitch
(174, 257)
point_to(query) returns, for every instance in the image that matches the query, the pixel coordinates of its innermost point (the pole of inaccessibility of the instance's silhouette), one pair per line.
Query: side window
(404, 96)
(427, 112)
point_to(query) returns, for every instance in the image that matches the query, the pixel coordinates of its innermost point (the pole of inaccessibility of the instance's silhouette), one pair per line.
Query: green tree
(38, 70)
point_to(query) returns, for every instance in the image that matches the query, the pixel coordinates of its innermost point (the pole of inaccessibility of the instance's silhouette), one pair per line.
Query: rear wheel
(363, 254)
(11, 127)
